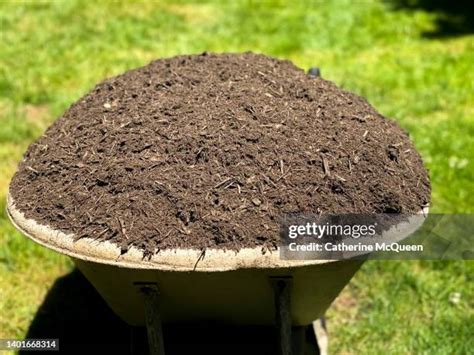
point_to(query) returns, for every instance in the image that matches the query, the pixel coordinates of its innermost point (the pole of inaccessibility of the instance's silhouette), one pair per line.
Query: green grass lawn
(52, 53)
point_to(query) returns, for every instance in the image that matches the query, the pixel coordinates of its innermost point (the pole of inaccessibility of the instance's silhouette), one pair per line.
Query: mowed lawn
(403, 60)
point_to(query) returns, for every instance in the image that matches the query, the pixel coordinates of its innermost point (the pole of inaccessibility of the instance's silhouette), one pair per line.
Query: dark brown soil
(209, 151)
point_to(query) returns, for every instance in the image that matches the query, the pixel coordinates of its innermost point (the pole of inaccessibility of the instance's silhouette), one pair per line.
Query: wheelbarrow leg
(320, 332)
(282, 289)
(153, 319)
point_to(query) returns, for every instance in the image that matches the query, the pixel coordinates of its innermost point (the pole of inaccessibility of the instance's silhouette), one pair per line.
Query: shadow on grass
(74, 313)
(454, 18)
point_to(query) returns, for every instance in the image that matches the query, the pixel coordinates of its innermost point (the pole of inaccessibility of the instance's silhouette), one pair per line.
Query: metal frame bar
(282, 297)
(152, 317)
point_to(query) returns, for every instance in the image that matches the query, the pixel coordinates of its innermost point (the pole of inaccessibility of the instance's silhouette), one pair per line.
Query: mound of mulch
(210, 151)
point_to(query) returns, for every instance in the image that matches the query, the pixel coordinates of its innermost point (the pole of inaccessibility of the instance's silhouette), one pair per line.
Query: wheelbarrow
(182, 285)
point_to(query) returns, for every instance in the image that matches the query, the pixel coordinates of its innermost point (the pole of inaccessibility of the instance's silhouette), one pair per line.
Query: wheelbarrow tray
(222, 286)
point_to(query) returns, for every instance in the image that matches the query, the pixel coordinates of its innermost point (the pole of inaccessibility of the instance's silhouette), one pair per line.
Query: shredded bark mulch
(209, 151)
